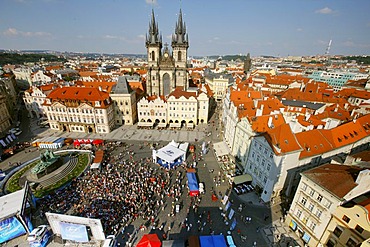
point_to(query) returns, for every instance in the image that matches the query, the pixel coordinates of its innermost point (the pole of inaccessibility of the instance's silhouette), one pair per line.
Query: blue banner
(10, 228)
(73, 232)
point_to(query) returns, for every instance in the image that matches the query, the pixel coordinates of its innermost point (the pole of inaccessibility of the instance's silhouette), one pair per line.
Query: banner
(231, 214)
(73, 232)
(10, 228)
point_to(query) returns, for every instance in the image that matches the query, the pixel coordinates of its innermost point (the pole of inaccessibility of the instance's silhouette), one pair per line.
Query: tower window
(179, 55)
(153, 56)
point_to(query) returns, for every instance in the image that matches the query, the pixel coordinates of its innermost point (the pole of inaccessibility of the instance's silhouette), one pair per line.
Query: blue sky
(215, 27)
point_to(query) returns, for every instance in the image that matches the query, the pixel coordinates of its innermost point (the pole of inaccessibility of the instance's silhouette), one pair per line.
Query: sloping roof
(122, 86)
(178, 92)
(81, 93)
(260, 123)
(312, 146)
(282, 139)
(329, 175)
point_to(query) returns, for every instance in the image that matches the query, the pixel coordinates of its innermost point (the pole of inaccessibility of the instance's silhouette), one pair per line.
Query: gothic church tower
(166, 69)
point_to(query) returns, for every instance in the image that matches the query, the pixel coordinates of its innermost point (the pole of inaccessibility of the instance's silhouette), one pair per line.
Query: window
(179, 56)
(337, 232)
(351, 243)
(330, 243)
(303, 200)
(310, 207)
(312, 192)
(359, 229)
(346, 219)
(327, 204)
(268, 167)
(312, 226)
(319, 198)
(304, 187)
(318, 213)
(298, 213)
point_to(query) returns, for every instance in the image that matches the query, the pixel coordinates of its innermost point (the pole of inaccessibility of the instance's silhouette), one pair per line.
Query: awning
(175, 125)
(190, 125)
(242, 179)
(145, 124)
(221, 149)
(98, 141)
(162, 125)
(95, 166)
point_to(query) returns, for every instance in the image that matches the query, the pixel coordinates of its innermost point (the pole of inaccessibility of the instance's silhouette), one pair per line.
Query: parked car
(37, 233)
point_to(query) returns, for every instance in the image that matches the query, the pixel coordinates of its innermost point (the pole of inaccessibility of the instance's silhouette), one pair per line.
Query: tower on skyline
(166, 68)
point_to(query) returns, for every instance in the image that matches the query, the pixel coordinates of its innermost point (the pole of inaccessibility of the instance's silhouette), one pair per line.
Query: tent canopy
(221, 149)
(149, 240)
(242, 179)
(212, 241)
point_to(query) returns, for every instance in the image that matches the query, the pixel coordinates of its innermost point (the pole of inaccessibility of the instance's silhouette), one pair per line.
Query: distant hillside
(358, 59)
(17, 58)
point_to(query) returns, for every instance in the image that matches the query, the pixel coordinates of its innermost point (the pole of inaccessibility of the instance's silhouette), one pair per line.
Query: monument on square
(48, 163)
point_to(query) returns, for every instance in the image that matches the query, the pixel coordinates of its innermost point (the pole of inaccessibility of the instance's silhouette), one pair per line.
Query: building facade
(77, 109)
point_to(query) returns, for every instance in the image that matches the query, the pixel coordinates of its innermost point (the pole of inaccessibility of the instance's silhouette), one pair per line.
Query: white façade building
(80, 109)
(319, 195)
(180, 109)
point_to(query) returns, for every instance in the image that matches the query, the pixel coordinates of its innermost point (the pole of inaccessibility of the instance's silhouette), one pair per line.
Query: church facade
(167, 69)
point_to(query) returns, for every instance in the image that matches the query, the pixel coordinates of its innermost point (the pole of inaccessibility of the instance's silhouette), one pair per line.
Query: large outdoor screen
(73, 232)
(10, 228)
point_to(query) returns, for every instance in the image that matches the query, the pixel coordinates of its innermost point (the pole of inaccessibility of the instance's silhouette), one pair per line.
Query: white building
(79, 109)
(35, 97)
(318, 196)
(219, 83)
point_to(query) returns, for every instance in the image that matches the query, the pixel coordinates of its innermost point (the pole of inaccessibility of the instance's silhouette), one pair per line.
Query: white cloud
(141, 36)
(324, 11)
(14, 32)
(299, 29)
(151, 2)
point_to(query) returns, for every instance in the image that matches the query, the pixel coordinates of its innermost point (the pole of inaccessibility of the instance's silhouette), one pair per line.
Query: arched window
(179, 55)
(153, 56)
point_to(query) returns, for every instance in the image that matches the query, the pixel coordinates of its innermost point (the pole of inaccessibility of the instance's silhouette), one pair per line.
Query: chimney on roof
(269, 122)
(255, 103)
(307, 116)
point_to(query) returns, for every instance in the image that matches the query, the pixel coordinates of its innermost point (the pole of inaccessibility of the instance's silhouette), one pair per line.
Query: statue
(47, 164)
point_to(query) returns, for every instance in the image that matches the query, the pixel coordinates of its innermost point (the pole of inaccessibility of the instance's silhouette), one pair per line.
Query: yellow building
(349, 224)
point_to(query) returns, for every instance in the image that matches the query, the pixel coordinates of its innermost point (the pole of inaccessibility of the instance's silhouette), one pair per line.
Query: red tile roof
(282, 140)
(338, 179)
(90, 95)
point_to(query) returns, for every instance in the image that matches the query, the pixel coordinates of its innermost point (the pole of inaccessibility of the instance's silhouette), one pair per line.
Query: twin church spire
(180, 36)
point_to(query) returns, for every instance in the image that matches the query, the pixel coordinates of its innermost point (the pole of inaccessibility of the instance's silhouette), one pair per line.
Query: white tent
(221, 149)
(171, 154)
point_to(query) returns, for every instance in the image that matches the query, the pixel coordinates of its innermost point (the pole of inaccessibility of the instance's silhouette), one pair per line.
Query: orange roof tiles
(282, 140)
(260, 124)
(104, 85)
(344, 134)
(313, 146)
(80, 93)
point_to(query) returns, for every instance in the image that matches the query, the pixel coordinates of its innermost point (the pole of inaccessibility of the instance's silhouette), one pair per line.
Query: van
(37, 233)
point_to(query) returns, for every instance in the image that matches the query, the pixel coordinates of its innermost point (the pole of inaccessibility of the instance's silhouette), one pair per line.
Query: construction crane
(328, 48)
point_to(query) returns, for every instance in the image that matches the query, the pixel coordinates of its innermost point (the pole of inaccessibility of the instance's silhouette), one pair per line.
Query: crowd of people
(118, 193)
